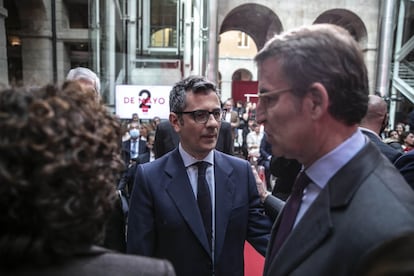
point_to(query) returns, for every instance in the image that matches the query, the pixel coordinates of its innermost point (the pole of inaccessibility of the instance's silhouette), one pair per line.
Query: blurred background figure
(126, 182)
(58, 166)
(253, 140)
(87, 78)
(231, 116)
(393, 140)
(134, 146)
(407, 140)
(400, 128)
(264, 160)
(149, 155)
(154, 122)
(374, 123)
(134, 122)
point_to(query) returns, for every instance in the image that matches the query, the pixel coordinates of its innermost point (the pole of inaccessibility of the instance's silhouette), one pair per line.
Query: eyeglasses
(202, 116)
(274, 94)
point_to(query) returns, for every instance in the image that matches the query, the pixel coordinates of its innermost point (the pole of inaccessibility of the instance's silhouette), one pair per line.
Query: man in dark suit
(166, 139)
(168, 215)
(348, 198)
(126, 182)
(133, 147)
(374, 123)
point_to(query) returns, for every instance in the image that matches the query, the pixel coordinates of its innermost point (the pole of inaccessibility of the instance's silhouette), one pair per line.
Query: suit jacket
(365, 203)
(115, 228)
(166, 139)
(164, 220)
(101, 262)
(391, 153)
(405, 164)
(126, 149)
(144, 157)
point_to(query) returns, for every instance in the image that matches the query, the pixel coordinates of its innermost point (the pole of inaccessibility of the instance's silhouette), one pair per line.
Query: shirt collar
(370, 131)
(328, 165)
(190, 160)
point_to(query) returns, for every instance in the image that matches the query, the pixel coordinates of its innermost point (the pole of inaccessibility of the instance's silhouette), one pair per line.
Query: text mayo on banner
(146, 100)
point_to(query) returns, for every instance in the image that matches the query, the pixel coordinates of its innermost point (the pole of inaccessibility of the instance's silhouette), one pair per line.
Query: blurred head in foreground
(59, 160)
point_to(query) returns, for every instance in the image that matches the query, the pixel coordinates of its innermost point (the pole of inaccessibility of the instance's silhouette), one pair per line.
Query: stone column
(4, 75)
(36, 39)
(37, 60)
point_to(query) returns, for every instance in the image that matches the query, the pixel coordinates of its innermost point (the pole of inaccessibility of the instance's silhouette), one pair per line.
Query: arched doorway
(243, 32)
(347, 20)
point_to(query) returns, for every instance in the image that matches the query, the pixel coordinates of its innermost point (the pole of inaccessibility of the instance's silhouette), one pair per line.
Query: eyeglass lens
(202, 116)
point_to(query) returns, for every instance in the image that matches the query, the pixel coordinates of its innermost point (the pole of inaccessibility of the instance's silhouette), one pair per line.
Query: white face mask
(134, 133)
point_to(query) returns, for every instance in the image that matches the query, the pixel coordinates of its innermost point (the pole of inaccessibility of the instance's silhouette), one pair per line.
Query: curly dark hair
(59, 162)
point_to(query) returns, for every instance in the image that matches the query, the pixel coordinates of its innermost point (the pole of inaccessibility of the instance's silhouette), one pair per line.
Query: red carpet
(253, 261)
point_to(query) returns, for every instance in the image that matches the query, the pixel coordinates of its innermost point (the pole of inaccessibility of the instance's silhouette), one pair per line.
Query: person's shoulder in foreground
(99, 261)
(59, 162)
(393, 257)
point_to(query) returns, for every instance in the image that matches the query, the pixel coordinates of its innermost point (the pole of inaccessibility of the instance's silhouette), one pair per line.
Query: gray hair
(84, 73)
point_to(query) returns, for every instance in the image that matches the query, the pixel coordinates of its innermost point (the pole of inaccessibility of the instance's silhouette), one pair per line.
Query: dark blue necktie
(204, 199)
(290, 212)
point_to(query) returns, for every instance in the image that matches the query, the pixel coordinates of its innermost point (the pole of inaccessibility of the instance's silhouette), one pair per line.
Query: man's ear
(175, 121)
(317, 99)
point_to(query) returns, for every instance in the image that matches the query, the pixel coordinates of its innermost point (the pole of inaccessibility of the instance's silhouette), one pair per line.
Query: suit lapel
(180, 191)
(301, 243)
(224, 186)
(316, 224)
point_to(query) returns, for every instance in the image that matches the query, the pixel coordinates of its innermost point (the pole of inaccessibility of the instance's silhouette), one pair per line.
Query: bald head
(376, 114)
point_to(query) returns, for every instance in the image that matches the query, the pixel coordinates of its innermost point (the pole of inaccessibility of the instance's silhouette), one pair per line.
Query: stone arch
(348, 20)
(258, 21)
(242, 75)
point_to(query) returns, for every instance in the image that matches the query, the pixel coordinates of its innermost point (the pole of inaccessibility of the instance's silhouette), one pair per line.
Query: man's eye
(200, 114)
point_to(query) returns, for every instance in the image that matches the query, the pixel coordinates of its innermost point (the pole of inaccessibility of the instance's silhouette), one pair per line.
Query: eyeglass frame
(207, 118)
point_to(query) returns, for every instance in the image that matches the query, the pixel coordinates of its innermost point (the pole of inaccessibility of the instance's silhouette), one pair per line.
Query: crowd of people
(85, 193)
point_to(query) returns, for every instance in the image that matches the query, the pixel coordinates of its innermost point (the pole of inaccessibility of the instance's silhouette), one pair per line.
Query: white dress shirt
(327, 166)
(192, 172)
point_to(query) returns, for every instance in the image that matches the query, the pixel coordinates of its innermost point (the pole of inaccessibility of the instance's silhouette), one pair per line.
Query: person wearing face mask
(133, 147)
